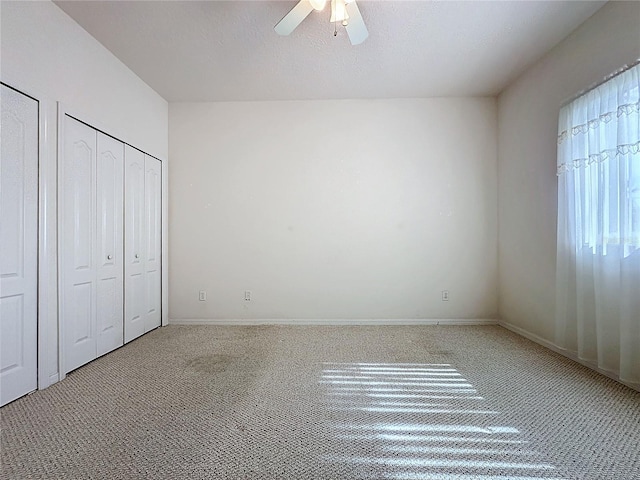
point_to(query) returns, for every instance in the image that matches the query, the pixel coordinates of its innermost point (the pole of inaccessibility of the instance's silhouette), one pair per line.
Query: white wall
(528, 118)
(333, 209)
(49, 56)
(46, 51)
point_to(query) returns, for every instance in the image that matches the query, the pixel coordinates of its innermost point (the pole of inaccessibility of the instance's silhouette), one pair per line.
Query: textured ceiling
(228, 50)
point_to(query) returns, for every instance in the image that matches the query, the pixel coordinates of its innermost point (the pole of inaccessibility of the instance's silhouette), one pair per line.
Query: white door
(77, 242)
(134, 244)
(110, 250)
(18, 245)
(152, 233)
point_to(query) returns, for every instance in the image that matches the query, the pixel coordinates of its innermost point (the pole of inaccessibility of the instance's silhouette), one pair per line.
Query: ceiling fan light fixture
(339, 11)
(344, 11)
(318, 4)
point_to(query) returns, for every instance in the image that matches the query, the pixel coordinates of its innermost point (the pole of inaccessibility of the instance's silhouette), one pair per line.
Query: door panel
(152, 232)
(109, 314)
(134, 250)
(18, 245)
(81, 194)
(11, 307)
(81, 331)
(134, 306)
(110, 275)
(77, 245)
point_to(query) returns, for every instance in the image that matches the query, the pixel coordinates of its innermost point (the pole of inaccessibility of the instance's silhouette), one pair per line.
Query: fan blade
(294, 18)
(356, 29)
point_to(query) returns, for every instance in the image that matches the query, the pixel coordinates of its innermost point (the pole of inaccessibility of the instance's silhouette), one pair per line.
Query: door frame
(62, 109)
(47, 371)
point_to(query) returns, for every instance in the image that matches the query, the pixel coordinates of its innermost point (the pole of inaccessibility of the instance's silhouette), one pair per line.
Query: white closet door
(109, 261)
(18, 245)
(134, 245)
(152, 233)
(77, 242)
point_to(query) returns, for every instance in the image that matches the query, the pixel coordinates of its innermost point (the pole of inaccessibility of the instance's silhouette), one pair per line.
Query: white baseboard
(534, 338)
(563, 351)
(53, 378)
(333, 321)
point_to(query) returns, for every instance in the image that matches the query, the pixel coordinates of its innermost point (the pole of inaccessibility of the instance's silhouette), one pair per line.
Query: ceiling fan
(343, 11)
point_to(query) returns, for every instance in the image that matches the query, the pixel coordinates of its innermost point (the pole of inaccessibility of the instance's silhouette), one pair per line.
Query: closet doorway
(110, 237)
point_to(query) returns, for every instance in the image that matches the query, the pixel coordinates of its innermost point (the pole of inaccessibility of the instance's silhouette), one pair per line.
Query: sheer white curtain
(598, 262)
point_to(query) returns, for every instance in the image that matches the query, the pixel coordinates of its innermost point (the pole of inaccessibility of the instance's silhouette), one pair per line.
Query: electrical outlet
(202, 296)
(445, 295)
(247, 295)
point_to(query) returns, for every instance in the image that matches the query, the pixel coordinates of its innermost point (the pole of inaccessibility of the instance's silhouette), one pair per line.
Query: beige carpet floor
(280, 402)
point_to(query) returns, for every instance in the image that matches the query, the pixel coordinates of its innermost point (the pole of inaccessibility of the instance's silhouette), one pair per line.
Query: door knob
(109, 257)
(137, 256)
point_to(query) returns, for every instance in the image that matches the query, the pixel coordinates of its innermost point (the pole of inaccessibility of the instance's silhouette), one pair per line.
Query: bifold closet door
(152, 233)
(76, 242)
(110, 244)
(90, 242)
(143, 181)
(134, 252)
(18, 245)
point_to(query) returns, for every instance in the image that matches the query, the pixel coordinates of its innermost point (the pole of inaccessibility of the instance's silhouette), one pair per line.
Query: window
(598, 257)
(599, 166)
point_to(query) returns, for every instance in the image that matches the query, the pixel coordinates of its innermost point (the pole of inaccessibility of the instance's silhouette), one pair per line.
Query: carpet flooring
(326, 402)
